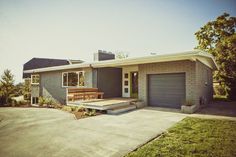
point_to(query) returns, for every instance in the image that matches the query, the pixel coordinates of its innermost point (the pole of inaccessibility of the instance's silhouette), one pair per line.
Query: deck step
(105, 107)
(121, 109)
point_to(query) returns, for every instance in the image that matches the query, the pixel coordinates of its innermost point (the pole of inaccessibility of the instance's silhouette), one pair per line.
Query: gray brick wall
(204, 82)
(187, 67)
(51, 85)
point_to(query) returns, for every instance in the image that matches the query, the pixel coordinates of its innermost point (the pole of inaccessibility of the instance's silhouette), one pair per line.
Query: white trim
(32, 100)
(33, 75)
(190, 55)
(77, 72)
(67, 96)
(61, 67)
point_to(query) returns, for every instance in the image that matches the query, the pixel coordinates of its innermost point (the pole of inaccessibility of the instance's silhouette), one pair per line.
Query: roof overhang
(195, 55)
(56, 68)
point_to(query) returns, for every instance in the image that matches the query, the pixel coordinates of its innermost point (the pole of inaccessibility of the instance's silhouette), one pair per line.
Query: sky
(75, 29)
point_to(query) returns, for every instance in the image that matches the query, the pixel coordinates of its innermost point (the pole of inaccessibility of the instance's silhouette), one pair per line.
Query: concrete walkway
(48, 132)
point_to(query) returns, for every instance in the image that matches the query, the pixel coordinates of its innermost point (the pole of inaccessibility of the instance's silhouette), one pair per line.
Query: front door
(134, 84)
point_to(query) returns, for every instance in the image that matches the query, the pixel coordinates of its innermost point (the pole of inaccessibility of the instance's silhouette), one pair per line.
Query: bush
(47, 102)
(80, 109)
(89, 112)
(15, 103)
(67, 108)
(50, 103)
(57, 106)
(42, 101)
(220, 90)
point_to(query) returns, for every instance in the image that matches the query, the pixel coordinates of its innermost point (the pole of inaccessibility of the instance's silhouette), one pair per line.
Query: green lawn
(193, 137)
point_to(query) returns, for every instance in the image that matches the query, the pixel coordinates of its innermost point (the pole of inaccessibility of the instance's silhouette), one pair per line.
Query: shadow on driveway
(219, 108)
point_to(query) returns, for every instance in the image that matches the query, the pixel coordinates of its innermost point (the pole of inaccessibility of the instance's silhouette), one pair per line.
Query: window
(126, 90)
(35, 100)
(126, 83)
(73, 79)
(35, 79)
(126, 75)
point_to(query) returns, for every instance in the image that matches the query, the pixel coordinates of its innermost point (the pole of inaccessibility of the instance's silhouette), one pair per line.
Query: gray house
(158, 80)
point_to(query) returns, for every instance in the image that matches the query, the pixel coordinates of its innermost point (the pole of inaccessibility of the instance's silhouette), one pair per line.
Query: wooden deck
(104, 104)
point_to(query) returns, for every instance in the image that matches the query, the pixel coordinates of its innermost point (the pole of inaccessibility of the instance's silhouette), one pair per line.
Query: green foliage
(15, 103)
(42, 101)
(80, 109)
(19, 89)
(6, 86)
(193, 137)
(89, 112)
(27, 90)
(218, 37)
(220, 90)
(121, 55)
(48, 102)
(67, 108)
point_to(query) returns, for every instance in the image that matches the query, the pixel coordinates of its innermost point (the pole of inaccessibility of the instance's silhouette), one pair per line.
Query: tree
(218, 37)
(122, 55)
(6, 86)
(19, 89)
(27, 90)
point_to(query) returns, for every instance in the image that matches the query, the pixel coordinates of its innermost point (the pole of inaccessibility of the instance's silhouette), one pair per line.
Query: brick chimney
(103, 55)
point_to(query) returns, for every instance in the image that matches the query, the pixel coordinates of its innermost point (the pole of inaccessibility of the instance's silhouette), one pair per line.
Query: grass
(193, 137)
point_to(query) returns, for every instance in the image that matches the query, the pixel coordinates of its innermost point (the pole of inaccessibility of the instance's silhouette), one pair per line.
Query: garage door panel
(166, 90)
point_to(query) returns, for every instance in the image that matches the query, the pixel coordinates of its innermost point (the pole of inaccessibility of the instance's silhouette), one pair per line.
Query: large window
(35, 79)
(73, 79)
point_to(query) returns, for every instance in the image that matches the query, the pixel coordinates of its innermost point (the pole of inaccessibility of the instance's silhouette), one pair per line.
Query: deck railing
(79, 94)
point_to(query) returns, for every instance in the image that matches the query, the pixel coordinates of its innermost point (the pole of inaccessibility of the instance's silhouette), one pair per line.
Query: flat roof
(194, 55)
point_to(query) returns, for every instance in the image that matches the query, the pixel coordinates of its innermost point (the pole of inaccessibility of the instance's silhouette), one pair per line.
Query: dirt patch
(81, 115)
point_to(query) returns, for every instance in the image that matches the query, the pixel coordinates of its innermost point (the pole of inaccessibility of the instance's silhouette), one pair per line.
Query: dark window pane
(126, 83)
(126, 90)
(134, 78)
(126, 75)
(81, 79)
(36, 100)
(65, 79)
(72, 79)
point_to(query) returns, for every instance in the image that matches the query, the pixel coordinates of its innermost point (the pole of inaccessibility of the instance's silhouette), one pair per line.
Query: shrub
(80, 109)
(22, 102)
(47, 102)
(58, 106)
(89, 112)
(67, 108)
(13, 103)
(50, 103)
(220, 90)
(73, 108)
(42, 101)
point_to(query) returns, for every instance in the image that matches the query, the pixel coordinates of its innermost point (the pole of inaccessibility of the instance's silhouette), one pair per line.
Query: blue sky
(74, 29)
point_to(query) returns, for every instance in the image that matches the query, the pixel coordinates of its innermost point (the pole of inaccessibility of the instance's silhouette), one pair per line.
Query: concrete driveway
(48, 132)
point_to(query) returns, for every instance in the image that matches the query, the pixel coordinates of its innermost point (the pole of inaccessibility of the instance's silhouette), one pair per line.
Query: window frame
(34, 99)
(33, 75)
(77, 72)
